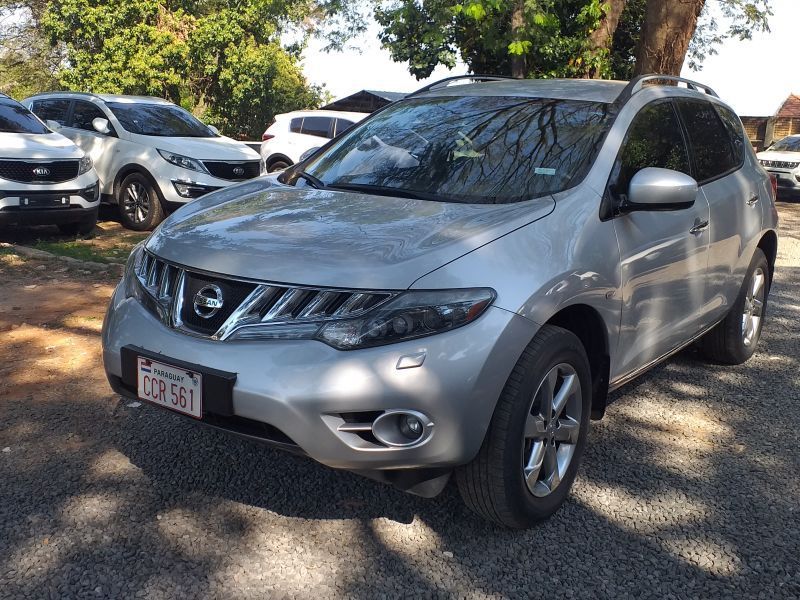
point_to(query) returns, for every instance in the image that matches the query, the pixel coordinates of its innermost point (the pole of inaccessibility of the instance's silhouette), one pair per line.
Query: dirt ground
(689, 488)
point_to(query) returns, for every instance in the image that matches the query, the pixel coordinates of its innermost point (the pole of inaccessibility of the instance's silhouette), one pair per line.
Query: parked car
(44, 178)
(782, 159)
(292, 135)
(150, 155)
(456, 283)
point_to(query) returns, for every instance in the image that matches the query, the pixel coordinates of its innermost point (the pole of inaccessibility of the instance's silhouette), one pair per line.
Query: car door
(101, 147)
(717, 142)
(54, 109)
(664, 254)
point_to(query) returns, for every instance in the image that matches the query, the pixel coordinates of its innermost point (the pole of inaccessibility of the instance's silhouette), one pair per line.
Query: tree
(601, 39)
(28, 63)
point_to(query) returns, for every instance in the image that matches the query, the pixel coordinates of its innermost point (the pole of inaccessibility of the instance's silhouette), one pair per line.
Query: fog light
(410, 427)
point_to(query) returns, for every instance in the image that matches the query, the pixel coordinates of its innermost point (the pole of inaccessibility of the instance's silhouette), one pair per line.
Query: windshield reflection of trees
(477, 149)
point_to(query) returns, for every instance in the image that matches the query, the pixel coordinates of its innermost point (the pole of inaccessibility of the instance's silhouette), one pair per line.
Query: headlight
(408, 316)
(84, 165)
(131, 266)
(182, 161)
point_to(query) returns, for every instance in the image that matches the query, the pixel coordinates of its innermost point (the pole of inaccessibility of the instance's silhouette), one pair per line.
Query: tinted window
(736, 132)
(343, 125)
(51, 110)
(83, 114)
(787, 144)
(654, 140)
(15, 118)
(296, 125)
(711, 144)
(163, 120)
(473, 149)
(319, 126)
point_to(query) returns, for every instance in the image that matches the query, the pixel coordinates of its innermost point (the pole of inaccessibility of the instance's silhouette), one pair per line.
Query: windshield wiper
(314, 181)
(382, 190)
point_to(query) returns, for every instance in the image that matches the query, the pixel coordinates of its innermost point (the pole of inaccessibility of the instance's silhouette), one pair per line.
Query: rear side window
(318, 126)
(343, 125)
(296, 125)
(51, 110)
(654, 139)
(83, 114)
(711, 143)
(735, 131)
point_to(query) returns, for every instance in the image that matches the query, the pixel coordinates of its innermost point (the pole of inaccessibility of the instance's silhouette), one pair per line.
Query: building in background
(762, 131)
(366, 101)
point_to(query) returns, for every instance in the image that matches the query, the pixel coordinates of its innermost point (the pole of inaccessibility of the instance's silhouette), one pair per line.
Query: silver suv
(454, 285)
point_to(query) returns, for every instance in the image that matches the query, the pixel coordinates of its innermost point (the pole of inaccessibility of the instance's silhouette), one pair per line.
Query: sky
(754, 77)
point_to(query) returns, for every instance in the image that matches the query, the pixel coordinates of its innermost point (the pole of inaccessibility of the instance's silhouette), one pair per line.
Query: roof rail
(444, 82)
(637, 85)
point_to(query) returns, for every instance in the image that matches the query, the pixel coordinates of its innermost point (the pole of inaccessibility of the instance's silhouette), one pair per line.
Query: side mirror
(53, 125)
(308, 153)
(660, 189)
(101, 125)
(213, 129)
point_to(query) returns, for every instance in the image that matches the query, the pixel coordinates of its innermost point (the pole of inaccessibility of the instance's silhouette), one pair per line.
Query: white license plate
(171, 387)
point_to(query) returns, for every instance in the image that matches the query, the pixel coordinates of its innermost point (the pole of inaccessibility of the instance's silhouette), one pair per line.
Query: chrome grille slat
(281, 305)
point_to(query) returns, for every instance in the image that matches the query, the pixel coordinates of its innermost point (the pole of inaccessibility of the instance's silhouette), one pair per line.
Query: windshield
(787, 144)
(163, 120)
(473, 149)
(15, 118)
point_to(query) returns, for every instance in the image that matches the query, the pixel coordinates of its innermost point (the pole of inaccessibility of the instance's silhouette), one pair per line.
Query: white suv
(44, 178)
(292, 135)
(150, 154)
(782, 159)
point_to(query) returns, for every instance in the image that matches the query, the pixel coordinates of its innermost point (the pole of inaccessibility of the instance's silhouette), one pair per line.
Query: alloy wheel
(136, 202)
(754, 307)
(552, 430)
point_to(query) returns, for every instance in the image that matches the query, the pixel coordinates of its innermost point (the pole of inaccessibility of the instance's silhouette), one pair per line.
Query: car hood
(216, 148)
(329, 238)
(37, 146)
(779, 156)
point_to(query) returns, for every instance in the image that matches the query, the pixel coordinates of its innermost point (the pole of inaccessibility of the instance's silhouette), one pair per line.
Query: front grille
(233, 171)
(171, 293)
(780, 164)
(32, 171)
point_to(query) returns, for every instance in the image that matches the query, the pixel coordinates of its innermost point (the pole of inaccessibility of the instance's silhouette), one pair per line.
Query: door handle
(699, 227)
(753, 201)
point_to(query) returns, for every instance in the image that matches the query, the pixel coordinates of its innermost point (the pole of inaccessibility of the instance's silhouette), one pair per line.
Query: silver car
(453, 286)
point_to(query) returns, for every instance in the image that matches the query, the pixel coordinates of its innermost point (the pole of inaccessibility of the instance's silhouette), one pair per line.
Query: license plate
(171, 387)
(44, 202)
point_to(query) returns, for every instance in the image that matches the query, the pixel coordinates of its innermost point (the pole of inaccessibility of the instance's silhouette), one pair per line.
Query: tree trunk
(666, 32)
(601, 38)
(518, 62)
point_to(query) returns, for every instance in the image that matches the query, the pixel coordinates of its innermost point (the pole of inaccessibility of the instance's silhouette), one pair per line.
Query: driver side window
(654, 139)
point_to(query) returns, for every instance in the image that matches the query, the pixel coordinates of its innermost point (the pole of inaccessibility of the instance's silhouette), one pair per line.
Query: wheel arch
(273, 158)
(587, 324)
(130, 169)
(769, 246)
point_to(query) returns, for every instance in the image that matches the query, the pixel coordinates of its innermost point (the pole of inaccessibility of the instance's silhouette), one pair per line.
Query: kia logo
(41, 171)
(238, 171)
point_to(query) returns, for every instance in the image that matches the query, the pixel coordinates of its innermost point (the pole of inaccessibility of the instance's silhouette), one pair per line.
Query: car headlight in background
(179, 160)
(407, 316)
(84, 165)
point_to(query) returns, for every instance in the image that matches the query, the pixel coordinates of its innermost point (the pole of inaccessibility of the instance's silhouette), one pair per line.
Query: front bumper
(299, 389)
(67, 202)
(172, 179)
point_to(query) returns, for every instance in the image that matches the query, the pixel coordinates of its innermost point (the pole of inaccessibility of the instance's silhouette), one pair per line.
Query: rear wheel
(139, 203)
(531, 453)
(277, 165)
(734, 340)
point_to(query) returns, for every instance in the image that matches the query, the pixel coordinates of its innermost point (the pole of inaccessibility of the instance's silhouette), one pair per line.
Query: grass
(109, 243)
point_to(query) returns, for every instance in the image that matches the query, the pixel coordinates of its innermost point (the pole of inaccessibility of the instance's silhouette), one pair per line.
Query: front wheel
(734, 340)
(139, 203)
(537, 435)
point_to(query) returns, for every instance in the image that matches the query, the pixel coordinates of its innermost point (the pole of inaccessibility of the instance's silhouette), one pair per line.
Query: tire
(277, 165)
(495, 484)
(734, 340)
(83, 227)
(139, 203)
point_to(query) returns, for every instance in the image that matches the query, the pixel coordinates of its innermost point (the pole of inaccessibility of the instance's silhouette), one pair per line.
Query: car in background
(151, 155)
(455, 285)
(292, 135)
(45, 179)
(782, 159)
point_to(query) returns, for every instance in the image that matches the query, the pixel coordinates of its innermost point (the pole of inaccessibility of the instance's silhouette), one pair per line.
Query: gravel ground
(689, 489)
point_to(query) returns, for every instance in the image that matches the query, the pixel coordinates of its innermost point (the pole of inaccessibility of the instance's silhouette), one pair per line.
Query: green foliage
(220, 58)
